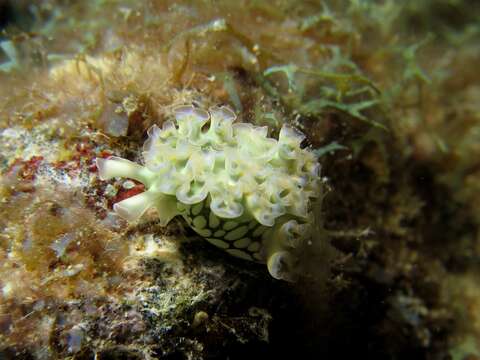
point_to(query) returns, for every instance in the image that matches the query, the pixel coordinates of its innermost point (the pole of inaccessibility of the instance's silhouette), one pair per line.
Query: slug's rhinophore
(242, 191)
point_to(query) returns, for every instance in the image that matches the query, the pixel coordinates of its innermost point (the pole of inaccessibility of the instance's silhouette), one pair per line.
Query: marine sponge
(242, 191)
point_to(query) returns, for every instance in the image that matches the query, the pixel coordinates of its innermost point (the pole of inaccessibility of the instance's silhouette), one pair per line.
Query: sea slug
(242, 191)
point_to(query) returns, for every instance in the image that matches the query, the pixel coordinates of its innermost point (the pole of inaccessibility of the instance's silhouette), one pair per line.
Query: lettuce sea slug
(242, 191)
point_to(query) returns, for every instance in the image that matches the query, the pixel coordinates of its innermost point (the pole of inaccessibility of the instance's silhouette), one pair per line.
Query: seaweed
(337, 91)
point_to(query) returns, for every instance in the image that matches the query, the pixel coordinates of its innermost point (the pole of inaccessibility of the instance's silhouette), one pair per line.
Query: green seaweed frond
(289, 71)
(231, 88)
(328, 149)
(317, 106)
(413, 71)
(326, 16)
(350, 93)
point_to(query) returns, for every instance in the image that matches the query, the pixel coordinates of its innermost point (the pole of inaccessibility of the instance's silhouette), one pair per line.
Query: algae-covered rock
(386, 94)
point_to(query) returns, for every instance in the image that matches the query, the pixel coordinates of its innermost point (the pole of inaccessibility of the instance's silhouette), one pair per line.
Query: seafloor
(388, 94)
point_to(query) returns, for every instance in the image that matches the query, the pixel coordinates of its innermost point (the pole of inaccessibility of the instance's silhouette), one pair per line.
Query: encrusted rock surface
(391, 270)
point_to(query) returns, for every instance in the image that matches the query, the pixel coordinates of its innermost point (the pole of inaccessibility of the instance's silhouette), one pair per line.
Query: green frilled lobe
(242, 191)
